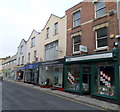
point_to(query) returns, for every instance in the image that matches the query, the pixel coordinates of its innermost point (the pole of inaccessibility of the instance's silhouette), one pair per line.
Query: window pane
(102, 42)
(76, 48)
(100, 12)
(100, 5)
(76, 39)
(104, 79)
(102, 32)
(76, 15)
(73, 78)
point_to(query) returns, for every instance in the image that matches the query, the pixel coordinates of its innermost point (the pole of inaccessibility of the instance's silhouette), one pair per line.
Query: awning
(22, 67)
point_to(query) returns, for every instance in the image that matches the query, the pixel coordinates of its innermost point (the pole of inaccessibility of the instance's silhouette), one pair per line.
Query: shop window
(100, 8)
(101, 39)
(73, 76)
(104, 79)
(53, 73)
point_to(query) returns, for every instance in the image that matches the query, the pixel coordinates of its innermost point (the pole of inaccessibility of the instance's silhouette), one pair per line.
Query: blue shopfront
(32, 73)
(20, 72)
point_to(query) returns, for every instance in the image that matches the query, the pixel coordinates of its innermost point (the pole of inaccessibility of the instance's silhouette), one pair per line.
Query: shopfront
(95, 74)
(51, 72)
(20, 72)
(32, 73)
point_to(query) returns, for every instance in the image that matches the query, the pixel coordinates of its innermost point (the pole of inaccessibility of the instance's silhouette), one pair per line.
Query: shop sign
(52, 62)
(83, 48)
(31, 66)
(89, 57)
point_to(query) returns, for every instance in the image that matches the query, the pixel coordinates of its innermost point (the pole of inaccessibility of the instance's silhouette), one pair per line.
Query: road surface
(19, 97)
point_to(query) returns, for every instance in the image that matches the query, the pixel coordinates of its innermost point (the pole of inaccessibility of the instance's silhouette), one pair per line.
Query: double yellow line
(77, 101)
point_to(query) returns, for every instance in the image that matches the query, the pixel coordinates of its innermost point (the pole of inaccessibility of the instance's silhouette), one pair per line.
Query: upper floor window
(47, 33)
(101, 37)
(100, 8)
(56, 28)
(21, 49)
(28, 56)
(19, 61)
(76, 44)
(22, 60)
(76, 19)
(33, 42)
(35, 55)
(50, 51)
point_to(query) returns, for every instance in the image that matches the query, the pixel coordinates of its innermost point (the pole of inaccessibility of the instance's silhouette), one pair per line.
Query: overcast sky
(19, 17)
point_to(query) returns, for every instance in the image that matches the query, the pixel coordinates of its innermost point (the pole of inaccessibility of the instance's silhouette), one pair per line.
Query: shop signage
(31, 66)
(89, 57)
(52, 62)
(83, 48)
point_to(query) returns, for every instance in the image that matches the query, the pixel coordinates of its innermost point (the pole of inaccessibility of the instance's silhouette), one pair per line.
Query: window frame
(33, 42)
(74, 20)
(75, 52)
(96, 34)
(35, 55)
(47, 33)
(56, 28)
(28, 57)
(96, 10)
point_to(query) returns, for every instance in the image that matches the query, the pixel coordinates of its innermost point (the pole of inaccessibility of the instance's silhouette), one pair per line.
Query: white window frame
(99, 8)
(28, 57)
(100, 48)
(56, 28)
(78, 19)
(76, 52)
(33, 42)
(35, 55)
(47, 33)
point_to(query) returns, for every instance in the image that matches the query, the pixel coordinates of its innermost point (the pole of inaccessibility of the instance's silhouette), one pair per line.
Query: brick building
(92, 62)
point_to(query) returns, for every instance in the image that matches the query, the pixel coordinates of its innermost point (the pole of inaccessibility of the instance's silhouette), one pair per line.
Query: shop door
(86, 78)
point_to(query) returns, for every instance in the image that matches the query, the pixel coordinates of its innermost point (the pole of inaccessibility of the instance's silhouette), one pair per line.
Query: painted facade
(8, 68)
(53, 50)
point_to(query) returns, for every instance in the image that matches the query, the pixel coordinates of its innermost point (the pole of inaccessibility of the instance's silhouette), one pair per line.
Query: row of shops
(95, 74)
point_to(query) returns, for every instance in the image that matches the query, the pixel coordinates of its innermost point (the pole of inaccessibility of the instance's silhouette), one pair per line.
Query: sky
(19, 17)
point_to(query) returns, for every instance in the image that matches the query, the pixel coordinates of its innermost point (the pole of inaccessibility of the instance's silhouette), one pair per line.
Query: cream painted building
(53, 51)
(53, 39)
(33, 48)
(8, 67)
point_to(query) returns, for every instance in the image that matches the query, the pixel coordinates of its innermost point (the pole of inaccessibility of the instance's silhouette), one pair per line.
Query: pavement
(82, 99)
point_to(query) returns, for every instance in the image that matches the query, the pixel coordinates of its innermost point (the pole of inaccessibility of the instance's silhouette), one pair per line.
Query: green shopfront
(96, 75)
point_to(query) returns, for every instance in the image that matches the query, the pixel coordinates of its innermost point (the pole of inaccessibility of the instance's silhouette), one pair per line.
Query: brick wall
(88, 21)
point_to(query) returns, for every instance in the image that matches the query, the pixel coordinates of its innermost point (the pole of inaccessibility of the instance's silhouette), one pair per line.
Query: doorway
(86, 78)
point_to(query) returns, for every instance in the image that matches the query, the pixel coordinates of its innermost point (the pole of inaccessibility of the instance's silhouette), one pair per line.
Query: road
(19, 97)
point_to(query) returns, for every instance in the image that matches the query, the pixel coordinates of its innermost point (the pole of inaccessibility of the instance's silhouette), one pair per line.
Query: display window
(104, 78)
(52, 73)
(73, 77)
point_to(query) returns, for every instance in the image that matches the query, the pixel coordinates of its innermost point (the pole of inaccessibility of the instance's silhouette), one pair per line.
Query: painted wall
(61, 36)
(23, 53)
(32, 49)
